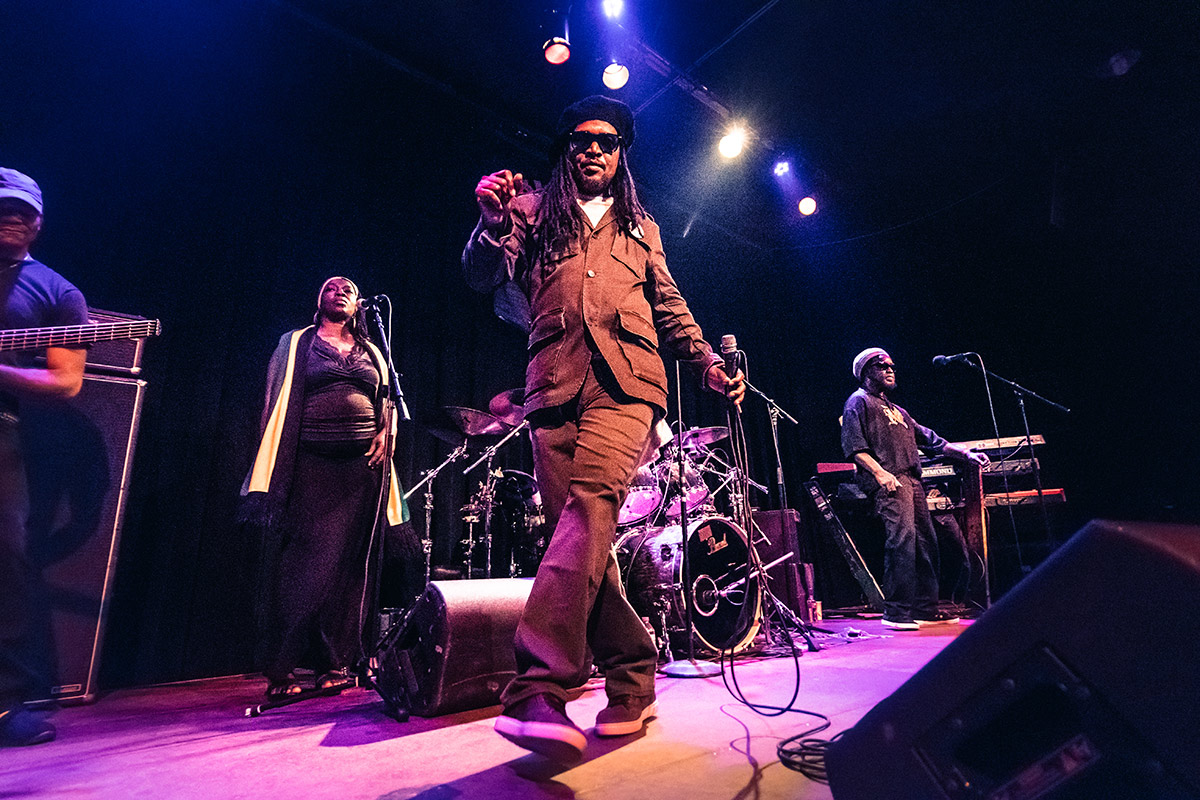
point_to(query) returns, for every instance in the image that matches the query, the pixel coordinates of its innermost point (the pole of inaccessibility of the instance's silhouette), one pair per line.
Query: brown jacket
(610, 286)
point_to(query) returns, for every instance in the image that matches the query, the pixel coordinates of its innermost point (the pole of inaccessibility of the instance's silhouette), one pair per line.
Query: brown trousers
(585, 453)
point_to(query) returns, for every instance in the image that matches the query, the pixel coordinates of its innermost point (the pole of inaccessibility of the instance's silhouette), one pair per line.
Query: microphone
(729, 353)
(371, 302)
(961, 358)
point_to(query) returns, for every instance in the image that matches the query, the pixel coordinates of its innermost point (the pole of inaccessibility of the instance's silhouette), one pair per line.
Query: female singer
(316, 490)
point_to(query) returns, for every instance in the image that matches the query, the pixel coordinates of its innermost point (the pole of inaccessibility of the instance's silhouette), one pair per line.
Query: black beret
(614, 112)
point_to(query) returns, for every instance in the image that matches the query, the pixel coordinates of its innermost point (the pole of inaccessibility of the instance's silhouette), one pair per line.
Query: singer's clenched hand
(734, 388)
(494, 192)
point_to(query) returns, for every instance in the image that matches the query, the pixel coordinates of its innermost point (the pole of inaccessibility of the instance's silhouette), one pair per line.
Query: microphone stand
(397, 395)
(691, 667)
(395, 410)
(775, 412)
(1020, 392)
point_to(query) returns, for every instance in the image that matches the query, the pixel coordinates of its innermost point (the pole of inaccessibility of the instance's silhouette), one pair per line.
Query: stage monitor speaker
(453, 651)
(790, 580)
(78, 457)
(1080, 683)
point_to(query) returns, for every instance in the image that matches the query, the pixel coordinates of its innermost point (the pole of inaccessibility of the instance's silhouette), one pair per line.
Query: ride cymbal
(476, 423)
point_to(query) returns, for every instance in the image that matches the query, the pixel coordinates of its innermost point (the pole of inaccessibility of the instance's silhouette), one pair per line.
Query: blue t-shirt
(34, 296)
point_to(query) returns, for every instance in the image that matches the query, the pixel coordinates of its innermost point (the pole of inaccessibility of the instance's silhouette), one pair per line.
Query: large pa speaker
(453, 651)
(1080, 683)
(78, 457)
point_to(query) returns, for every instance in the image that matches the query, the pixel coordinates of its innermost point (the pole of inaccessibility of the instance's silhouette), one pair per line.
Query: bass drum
(726, 608)
(518, 536)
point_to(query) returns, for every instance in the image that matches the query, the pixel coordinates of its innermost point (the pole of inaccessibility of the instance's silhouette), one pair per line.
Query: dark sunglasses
(583, 140)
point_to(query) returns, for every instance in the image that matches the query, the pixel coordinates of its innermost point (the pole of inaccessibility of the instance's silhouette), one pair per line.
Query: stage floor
(192, 741)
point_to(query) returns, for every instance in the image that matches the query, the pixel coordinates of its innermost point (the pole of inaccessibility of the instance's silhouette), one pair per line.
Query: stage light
(782, 168)
(732, 143)
(557, 50)
(808, 206)
(613, 8)
(616, 75)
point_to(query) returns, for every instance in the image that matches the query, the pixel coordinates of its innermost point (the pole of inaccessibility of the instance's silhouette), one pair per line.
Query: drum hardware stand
(427, 481)
(691, 667)
(487, 490)
(479, 509)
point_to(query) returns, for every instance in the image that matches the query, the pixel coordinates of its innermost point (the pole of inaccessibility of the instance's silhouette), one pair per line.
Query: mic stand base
(690, 668)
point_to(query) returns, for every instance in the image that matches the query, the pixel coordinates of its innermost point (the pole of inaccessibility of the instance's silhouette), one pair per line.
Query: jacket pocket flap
(548, 326)
(637, 326)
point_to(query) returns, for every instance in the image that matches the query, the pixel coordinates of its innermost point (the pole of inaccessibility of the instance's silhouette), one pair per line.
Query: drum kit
(504, 519)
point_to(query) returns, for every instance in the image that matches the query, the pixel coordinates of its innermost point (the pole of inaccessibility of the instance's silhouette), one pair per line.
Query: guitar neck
(75, 335)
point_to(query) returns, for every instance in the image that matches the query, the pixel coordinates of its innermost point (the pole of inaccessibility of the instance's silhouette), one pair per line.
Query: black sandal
(277, 690)
(334, 679)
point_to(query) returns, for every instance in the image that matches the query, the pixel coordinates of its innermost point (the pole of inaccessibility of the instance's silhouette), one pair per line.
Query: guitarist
(31, 296)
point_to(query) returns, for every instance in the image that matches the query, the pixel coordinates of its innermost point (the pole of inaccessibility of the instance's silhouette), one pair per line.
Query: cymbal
(476, 423)
(699, 437)
(506, 406)
(447, 435)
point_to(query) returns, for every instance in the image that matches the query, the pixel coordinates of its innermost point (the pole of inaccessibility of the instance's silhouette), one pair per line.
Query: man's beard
(592, 187)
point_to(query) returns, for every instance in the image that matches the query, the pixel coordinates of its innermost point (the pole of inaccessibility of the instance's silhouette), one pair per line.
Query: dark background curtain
(210, 164)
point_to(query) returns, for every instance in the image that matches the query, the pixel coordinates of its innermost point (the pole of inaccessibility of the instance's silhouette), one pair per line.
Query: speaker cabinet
(454, 649)
(78, 456)
(791, 579)
(1080, 683)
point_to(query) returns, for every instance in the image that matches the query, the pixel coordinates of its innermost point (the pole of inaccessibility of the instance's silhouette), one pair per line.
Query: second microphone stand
(691, 667)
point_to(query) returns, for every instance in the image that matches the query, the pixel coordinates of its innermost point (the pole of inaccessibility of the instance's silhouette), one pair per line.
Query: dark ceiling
(888, 110)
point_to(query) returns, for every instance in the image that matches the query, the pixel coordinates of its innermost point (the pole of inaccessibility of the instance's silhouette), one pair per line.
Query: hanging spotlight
(557, 50)
(615, 75)
(782, 168)
(613, 8)
(808, 206)
(732, 143)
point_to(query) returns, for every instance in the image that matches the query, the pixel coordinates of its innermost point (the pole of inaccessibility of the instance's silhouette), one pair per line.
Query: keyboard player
(883, 440)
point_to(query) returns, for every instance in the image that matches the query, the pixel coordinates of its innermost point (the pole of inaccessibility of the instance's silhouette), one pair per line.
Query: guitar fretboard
(76, 335)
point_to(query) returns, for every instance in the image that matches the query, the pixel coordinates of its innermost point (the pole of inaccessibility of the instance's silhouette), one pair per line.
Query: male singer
(31, 296)
(883, 438)
(590, 261)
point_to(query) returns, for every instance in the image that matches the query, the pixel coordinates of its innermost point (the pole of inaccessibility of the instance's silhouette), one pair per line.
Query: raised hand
(493, 193)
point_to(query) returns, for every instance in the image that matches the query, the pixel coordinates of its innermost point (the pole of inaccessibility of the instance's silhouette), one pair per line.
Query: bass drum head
(726, 610)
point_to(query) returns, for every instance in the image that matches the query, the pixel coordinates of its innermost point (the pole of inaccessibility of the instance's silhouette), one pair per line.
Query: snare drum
(699, 498)
(644, 498)
(726, 608)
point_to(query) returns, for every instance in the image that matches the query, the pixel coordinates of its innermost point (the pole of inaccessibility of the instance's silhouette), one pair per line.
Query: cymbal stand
(427, 481)
(491, 451)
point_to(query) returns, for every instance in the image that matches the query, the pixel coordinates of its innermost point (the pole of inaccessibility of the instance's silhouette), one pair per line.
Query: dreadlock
(561, 218)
